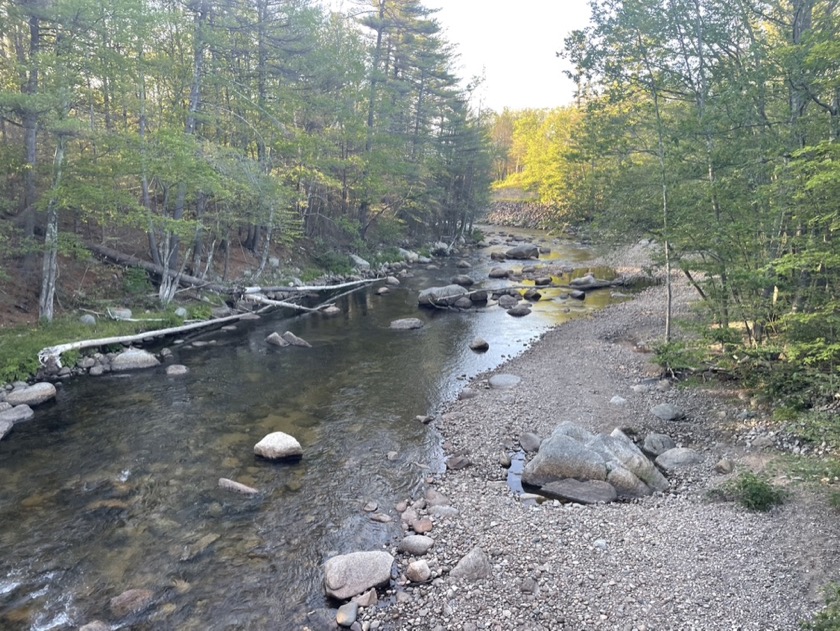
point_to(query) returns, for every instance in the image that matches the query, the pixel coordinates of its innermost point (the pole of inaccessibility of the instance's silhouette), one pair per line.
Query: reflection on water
(114, 486)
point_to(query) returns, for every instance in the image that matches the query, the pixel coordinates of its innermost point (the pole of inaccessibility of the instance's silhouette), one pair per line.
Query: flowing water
(114, 486)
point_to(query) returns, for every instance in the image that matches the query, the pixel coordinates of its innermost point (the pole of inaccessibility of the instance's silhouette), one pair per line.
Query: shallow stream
(114, 486)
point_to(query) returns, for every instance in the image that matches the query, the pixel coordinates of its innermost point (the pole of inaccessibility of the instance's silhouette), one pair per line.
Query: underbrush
(829, 618)
(753, 492)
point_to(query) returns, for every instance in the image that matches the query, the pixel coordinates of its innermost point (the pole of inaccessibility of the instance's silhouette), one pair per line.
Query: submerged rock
(407, 324)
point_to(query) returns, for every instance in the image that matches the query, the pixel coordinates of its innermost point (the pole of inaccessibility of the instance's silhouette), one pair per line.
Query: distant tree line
(712, 125)
(204, 124)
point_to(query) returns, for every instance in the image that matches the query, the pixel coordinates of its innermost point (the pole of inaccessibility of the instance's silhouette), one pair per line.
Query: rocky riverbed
(675, 560)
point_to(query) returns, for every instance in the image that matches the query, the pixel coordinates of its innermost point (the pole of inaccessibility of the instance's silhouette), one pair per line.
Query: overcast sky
(514, 44)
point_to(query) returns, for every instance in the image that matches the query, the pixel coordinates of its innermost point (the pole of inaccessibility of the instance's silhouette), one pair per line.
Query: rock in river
(132, 359)
(17, 414)
(350, 574)
(523, 252)
(447, 295)
(278, 445)
(31, 395)
(406, 324)
(131, 601)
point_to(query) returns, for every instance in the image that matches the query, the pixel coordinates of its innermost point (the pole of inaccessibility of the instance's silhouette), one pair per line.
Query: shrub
(753, 492)
(829, 618)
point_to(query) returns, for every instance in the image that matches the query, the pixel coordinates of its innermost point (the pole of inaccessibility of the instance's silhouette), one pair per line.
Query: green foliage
(752, 492)
(829, 618)
(334, 262)
(19, 346)
(680, 358)
(136, 282)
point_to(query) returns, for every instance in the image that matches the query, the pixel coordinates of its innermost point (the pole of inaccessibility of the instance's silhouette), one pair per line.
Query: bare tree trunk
(49, 274)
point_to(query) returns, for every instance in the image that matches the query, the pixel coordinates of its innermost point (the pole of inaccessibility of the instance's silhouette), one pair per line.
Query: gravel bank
(674, 561)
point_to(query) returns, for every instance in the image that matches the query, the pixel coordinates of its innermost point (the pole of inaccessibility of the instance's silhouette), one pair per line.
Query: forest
(711, 126)
(182, 131)
(198, 127)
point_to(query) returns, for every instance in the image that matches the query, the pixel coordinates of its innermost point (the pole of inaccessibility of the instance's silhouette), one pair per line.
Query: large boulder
(523, 252)
(447, 295)
(5, 428)
(277, 446)
(359, 263)
(350, 574)
(133, 359)
(656, 444)
(17, 414)
(567, 428)
(678, 458)
(587, 492)
(625, 482)
(31, 395)
(617, 446)
(562, 457)
(499, 272)
(408, 256)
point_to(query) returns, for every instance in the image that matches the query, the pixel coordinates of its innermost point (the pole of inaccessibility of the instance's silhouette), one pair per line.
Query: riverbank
(671, 561)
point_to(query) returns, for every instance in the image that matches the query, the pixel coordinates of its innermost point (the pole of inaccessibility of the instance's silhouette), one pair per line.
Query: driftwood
(52, 354)
(260, 299)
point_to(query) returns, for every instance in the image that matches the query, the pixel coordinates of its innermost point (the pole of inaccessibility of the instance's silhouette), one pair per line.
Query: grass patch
(752, 492)
(19, 346)
(829, 618)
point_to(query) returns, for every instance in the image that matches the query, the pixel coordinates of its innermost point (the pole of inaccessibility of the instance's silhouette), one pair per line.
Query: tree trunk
(50, 266)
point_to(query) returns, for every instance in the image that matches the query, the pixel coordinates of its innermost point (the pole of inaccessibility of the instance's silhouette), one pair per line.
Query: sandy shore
(670, 561)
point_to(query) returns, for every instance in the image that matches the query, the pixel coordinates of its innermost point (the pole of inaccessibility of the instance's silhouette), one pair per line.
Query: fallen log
(263, 300)
(193, 281)
(51, 356)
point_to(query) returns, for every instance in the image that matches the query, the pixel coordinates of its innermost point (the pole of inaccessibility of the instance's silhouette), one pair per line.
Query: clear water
(114, 486)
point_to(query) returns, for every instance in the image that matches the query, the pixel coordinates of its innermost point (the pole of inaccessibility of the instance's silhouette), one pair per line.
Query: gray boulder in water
(31, 395)
(133, 359)
(523, 252)
(444, 296)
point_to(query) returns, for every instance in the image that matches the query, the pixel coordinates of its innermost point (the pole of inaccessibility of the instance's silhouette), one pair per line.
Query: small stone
(368, 599)
(88, 320)
(370, 507)
(422, 526)
(294, 340)
(455, 463)
(382, 518)
(505, 460)
(467, 393)
(617, 400)
(331, 311)
(416, 545)
(480, 345)
(666, 412)
(724, 466)
(347, 614)
(434, 498)
(418, 571)
(407, 324)
(474, 566)
(176, 370)
(96, 625)
(519, 311)
(678, 458)
(504, 381)
(237, 487)
(383, 291)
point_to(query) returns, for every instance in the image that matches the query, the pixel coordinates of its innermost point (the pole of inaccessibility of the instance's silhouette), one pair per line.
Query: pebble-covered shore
(677, 560)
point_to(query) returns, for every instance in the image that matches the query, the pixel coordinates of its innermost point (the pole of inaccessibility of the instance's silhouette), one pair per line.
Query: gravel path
(674, 561)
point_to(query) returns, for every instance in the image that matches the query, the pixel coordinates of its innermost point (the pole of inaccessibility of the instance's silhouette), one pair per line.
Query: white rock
(278, 445)
(418, 571)
(350, 574)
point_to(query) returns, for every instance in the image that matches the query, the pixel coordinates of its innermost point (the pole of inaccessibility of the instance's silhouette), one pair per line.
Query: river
(114, 485)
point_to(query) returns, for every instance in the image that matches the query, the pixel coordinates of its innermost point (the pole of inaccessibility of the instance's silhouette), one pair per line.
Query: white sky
(513, 44)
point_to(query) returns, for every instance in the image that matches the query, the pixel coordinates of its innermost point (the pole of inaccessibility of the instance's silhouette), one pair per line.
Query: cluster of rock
(286, 339)
(355, 577)
(16, 403)
(573, 464)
